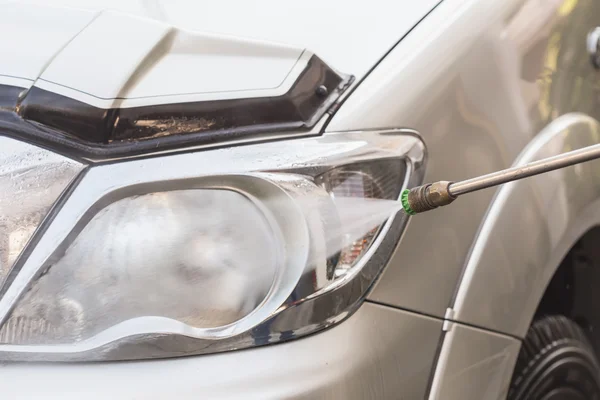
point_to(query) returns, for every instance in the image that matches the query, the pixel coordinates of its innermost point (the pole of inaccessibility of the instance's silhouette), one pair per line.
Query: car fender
(529, 227)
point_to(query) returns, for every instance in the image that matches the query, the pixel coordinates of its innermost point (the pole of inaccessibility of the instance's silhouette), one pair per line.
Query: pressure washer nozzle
(426, 197)
(430, 196)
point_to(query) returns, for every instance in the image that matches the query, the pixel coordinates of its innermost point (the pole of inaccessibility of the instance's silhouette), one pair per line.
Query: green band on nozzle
(404, 201)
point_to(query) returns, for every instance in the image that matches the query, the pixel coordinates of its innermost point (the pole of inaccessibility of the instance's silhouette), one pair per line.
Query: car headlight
(157, 254)
(31, 179)
(210, 251)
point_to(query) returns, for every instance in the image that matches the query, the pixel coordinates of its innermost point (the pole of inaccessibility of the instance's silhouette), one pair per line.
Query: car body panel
(474, 364)
(478, 96)
(528, 230)
(37, 34)
(154, 63)
(378, 353)
(172, 51)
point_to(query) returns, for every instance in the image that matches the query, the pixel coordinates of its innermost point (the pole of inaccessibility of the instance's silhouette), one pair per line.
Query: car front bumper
(377, 353)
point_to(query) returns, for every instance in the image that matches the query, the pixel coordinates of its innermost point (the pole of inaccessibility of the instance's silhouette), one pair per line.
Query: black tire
(556, 362)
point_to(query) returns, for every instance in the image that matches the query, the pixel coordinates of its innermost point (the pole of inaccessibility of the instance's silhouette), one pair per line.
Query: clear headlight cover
(365, 181)
(203, 257)
(31, 179)
(211, 251)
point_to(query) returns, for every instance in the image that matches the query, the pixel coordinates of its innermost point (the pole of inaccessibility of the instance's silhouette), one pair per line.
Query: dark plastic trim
(9, 97)
(78, 129)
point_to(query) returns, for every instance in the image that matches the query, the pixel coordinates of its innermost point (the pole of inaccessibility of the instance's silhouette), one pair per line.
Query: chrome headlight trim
(104, 184)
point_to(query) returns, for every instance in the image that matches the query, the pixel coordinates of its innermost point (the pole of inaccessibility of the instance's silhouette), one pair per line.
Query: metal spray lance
(433, 195)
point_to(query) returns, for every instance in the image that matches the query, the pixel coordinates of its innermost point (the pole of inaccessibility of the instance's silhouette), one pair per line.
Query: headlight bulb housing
(222, 249)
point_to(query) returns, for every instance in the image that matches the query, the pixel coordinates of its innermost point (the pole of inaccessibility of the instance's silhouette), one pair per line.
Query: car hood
(350, 36)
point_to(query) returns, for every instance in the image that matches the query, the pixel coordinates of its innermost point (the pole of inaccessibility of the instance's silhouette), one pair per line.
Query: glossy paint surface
(351, 36)
(378, 353)
(474, 364)
(36, 35)
(528, 230)
(478, 96)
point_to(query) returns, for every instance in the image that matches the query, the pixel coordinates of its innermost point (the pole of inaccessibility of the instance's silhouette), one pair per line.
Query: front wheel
(556, 362)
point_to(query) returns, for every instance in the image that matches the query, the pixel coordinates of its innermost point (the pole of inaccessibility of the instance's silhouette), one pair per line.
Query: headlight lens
(206, 258)
(211, 251)
(31, 179)
(371, 180)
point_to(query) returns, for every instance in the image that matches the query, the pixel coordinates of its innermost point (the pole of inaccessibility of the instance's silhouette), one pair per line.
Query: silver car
(200, 200)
